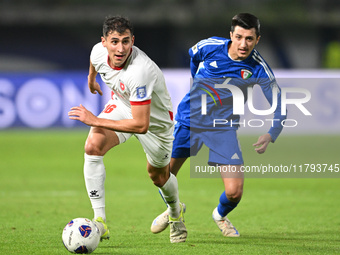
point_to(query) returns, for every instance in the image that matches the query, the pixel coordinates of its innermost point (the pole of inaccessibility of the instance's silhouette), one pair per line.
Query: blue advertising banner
(42, 100)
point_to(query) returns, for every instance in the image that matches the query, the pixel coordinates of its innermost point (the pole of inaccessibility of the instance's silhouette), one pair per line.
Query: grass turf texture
(42, 188)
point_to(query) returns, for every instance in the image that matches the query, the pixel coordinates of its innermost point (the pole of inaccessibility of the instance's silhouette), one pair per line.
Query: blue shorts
(224, 147)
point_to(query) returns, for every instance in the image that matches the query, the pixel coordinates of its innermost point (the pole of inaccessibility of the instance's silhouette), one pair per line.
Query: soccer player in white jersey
(235, 62)
(140, 105)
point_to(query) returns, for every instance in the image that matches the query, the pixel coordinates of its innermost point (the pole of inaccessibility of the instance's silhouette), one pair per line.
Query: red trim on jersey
(140, 102)
(116, 67)
(171, 115)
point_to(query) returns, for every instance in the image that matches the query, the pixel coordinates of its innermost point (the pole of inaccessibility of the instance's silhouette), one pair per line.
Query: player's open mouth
(243, 51)
(119, 56)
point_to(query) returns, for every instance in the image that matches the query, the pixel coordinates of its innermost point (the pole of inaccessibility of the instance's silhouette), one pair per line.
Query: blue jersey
(211, 66)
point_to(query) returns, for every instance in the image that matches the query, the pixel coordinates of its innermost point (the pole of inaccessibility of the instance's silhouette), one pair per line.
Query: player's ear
(258, 39)
(103, 41)
(231, 34)
(133, 39)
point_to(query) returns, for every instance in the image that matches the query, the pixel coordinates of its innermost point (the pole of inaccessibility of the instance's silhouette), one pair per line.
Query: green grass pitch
(42, 188)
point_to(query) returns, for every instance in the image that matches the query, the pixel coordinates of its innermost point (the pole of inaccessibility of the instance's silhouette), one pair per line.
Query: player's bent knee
(158, 178)
(92, 149)
(158, 175)
(158, 183)
(234, 195)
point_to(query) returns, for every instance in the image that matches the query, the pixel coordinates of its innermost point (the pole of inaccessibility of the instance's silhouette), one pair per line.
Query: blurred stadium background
(44, 57)
(47, 35)
(45, 47)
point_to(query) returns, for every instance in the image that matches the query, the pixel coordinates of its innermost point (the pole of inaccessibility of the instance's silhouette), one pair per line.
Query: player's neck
(232, 55)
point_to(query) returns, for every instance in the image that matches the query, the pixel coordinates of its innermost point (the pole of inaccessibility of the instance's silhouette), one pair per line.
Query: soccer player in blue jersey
(216, 64)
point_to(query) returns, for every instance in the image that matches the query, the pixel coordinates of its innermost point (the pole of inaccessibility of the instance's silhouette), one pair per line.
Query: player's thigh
(157, 147)
(176, 164)
(101, 140)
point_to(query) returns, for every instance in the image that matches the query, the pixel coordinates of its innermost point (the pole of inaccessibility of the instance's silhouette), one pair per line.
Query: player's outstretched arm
(139, 123)
(91, 79)
(262, 143)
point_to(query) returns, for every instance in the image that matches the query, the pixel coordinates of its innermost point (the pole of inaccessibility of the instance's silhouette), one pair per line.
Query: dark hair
(247, 21)
(118, 24)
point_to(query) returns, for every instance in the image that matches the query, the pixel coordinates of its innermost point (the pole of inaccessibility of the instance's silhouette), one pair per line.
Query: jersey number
(109, 108)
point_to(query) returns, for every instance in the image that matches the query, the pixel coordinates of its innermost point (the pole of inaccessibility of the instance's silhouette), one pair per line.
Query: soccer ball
(81, 235)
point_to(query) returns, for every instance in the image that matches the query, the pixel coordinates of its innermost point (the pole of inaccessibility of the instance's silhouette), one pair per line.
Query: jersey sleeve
(98, 54)
(270, 88)
(141, 87)
(195, 58)
(200, 51)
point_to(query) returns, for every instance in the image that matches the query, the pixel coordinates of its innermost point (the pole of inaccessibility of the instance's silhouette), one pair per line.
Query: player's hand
(95, 87)
(82, 114)
(262, 143)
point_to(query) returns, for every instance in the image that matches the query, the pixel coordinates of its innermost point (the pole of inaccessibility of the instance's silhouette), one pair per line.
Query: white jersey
(138, 82)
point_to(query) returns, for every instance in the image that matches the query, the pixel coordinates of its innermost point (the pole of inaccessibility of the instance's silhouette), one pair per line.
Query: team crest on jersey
(141, 92)
(246, 74)
(122, 86)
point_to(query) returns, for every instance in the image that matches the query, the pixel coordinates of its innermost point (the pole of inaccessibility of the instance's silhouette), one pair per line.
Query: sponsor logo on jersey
(246, 74)
(141, 92)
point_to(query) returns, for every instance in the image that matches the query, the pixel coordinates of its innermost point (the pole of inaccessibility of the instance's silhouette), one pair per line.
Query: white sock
(94, 174)
(170, 194)
(216, 215)
(99, 212)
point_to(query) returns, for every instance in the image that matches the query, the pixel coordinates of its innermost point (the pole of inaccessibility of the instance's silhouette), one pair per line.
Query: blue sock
(225, 206)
